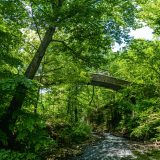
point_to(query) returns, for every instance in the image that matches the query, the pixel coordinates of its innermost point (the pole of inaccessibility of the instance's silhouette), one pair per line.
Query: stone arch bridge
(109, 82)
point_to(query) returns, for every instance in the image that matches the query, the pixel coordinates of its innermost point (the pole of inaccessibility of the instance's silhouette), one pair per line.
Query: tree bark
(34, 65)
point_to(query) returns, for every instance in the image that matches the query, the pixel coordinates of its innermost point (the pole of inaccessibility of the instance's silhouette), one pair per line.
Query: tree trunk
(34, 65)
(76, 113)
(20, 92)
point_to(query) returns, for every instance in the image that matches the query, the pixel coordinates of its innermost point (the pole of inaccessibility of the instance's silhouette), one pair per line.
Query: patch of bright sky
(141, 33)
(144, 33)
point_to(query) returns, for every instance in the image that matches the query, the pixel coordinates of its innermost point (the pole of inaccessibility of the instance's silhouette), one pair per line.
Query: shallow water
(110, 148)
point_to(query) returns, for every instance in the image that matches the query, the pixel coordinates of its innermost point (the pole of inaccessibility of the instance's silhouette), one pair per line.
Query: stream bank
(109, 147)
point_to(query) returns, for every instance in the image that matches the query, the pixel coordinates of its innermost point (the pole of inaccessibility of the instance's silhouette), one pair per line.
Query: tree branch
(76, 55)
(34, 20)
(52, 4)
(64, 43)
(59, 3)
(40, 8)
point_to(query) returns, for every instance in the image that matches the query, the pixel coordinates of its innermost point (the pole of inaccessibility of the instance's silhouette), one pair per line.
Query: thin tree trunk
(76, 105)
(36, 101)
(76, 113)
(38, 90)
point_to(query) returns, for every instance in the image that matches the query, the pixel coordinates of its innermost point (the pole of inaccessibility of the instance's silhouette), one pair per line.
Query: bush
(81, 131)
(67, 134)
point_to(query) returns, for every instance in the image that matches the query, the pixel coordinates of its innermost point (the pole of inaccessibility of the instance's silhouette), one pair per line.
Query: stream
(110, 148)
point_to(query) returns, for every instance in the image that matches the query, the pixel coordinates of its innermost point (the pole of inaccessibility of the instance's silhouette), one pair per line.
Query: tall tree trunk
(34, 65)
(36, 101)
(20, 92)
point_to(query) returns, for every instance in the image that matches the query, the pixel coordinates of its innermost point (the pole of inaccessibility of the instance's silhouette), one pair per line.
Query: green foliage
(9, 61)
(7, 88)
(150, 14)
(149, 121)
(12, 155)
(74, 134)
(81, 131)
(31, 132)
(3, 137)
(139, 63)
(144, 56)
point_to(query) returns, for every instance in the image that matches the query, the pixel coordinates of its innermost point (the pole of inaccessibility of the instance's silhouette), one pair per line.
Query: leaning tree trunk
(20, 92)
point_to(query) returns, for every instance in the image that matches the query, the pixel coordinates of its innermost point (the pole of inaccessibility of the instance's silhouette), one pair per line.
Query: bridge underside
(106, 85)
(108, 82)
